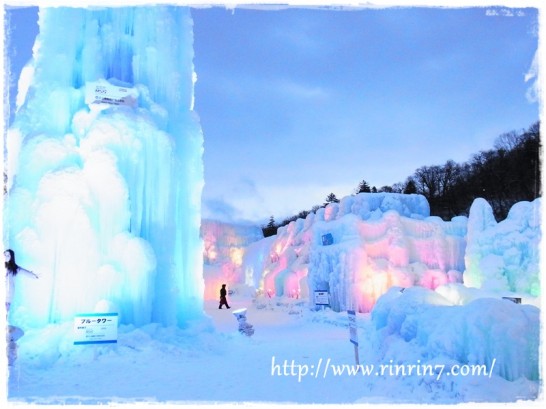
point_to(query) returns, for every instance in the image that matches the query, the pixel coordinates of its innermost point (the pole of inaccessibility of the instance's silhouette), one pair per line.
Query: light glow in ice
(504, 256)
(379, 240)
(105, 200)
(385, 240)
(225, 247)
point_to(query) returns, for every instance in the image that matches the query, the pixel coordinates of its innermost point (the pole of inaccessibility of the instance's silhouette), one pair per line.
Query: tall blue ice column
(105, 199)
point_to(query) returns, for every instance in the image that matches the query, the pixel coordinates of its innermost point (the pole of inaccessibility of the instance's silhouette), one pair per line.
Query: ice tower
(105, 169)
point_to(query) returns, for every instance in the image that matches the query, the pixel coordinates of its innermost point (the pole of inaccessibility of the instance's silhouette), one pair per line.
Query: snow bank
(225, 246)
(504, 256)
(497, 333)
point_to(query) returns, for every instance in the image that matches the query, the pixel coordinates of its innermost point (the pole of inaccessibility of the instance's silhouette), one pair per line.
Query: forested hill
(506, 174)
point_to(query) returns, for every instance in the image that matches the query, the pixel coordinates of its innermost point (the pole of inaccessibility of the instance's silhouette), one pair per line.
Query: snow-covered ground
(295, 355)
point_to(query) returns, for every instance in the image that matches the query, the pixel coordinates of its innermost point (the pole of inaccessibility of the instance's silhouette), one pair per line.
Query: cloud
(249, 88)
(245, 187)
(300, 35)
(25, 79)
(296, 90)
(245, 202)
(239, 202)
(532, 75)
(218, 209)
(283, 201)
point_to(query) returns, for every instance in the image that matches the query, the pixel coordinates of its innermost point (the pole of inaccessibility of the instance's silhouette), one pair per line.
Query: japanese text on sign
(321, 298)
(352, 327)
(104, 93)
(95, 328)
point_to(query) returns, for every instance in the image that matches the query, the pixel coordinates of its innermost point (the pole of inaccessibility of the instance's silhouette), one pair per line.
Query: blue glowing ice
(104, 198)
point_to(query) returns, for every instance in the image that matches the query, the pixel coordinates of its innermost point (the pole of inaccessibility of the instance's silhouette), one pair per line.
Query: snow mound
(484, 331)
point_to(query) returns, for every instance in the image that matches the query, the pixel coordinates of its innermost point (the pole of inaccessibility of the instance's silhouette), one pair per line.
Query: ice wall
(378, 240)
(225, 246)
(368, 256)
(359, 248)
(287, 265)
(504, 256)
(105, 200)
(255, 259)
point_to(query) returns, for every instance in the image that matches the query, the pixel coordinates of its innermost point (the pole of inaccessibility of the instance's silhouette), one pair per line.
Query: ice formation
(377, 241)
(104, 199)
(225, 245)
(357, 249)
(482, 331)
(504, 256)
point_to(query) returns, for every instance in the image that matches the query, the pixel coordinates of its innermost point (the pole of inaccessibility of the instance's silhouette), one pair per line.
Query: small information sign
(327, 239)
(321, 298)
(353, 334)
(101, 328)
(103, 93)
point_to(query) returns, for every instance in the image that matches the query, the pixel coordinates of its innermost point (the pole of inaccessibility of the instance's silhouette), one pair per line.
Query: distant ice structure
(255, 260)
(396, 243)
(504, 256)
(359, 248)
(225, 246)
(104, 199)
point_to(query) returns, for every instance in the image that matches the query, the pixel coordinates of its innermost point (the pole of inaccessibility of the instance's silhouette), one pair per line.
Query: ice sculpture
(104, 203)
(224, 252)
(503, 336)
(373, 241)
(358, 249)
(504, 256)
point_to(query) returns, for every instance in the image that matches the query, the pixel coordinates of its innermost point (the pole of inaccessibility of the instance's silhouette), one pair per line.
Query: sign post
(353, 334)
(101, 328)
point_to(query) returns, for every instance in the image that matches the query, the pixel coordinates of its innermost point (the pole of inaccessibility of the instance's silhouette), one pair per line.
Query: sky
(299, 103)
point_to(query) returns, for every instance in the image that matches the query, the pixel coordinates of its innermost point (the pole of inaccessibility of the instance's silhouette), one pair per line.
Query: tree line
(504, 175)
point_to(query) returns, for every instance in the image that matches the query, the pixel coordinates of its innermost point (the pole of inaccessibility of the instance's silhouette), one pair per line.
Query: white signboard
(96, 328)
(103, 93)
(321, 298)
(352, 327)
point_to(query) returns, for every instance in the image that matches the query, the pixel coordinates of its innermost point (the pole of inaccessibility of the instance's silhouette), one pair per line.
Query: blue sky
(298, 103)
